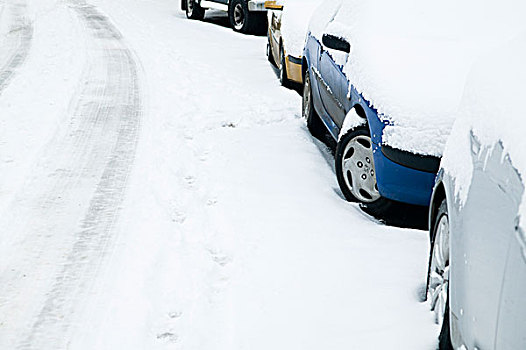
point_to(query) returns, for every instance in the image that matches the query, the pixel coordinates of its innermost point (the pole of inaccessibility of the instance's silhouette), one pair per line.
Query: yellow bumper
(294, 70)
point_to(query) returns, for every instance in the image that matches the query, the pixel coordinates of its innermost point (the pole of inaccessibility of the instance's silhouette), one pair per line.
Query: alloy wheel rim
(439, 270)
(239, 16)
(358, 169)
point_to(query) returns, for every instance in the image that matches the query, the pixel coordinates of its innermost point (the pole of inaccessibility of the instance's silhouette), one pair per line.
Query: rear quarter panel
(481, 232)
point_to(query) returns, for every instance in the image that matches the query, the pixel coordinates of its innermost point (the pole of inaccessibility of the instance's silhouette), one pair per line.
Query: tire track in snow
(17, 42)
(116, 104)
(65, 219)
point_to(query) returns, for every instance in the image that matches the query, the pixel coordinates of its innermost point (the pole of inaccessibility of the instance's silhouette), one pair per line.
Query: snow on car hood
(410, 59)
(295, 24)
(492, 108)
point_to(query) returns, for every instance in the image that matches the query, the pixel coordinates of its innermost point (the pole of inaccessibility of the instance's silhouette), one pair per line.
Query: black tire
(194, 10)
(283, 79)
(244, 21)
(270, 55)
(444, 339)
(440, 210)
(314, 123)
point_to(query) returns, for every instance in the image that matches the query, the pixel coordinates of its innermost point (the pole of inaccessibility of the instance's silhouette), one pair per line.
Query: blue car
(386, 79)
(368, 170)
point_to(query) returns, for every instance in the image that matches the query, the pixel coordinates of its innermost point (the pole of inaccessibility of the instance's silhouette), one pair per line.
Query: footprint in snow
(175, 314)
(219, 258)
(190, 180)
(229, 125)
(178, 217)
(168, 337)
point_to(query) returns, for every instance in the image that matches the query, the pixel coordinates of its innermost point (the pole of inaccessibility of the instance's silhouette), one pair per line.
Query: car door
(480, 243)
(333, 84)
(512, 318)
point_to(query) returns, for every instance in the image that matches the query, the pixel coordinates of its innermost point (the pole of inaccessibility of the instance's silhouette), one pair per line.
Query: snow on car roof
(295, 24)
(410, 58)
(492, 107)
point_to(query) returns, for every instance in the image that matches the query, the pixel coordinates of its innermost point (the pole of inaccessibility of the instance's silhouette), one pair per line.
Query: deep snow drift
(223, 230)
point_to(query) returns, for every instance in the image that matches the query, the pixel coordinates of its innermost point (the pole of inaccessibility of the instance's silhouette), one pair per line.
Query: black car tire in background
(283, 79)
(270, 55)
(314, 124)
(244, 21)
(437, 252)
(193, 10)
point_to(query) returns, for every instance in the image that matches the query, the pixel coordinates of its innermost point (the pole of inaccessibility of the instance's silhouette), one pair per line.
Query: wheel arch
(439, 194)
(360, 111)
(304, 67)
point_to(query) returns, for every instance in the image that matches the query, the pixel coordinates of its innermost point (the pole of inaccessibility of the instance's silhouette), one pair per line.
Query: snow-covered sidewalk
(232, 233)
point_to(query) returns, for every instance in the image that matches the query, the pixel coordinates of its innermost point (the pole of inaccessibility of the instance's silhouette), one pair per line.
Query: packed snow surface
(160, 190)
(493, 109)
(410, 59)
(295, 24)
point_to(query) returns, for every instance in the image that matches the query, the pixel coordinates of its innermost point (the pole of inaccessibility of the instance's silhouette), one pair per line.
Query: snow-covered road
(159, 189)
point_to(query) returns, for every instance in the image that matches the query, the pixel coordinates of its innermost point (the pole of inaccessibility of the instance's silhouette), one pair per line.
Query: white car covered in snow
(477, 266)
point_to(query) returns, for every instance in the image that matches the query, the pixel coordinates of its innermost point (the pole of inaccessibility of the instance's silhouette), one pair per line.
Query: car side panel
(480, 237)
(511, 332)
(311, 54)
(331, 84)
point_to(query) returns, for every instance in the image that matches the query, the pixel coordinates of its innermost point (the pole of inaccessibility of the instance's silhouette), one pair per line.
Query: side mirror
(336, 43)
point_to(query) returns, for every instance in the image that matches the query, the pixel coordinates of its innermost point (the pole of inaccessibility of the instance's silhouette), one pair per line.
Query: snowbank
(410, 59)
(492, 107)
(295, 24)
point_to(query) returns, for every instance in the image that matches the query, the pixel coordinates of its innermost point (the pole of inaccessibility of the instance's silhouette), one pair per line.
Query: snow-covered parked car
(246, 16)
(288, 22)
(385, 79)
(477, 266)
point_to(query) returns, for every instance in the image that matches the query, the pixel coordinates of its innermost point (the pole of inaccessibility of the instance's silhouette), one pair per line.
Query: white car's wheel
(438, 274)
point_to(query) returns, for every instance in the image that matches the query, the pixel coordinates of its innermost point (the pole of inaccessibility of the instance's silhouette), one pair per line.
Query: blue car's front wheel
(355, 167)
